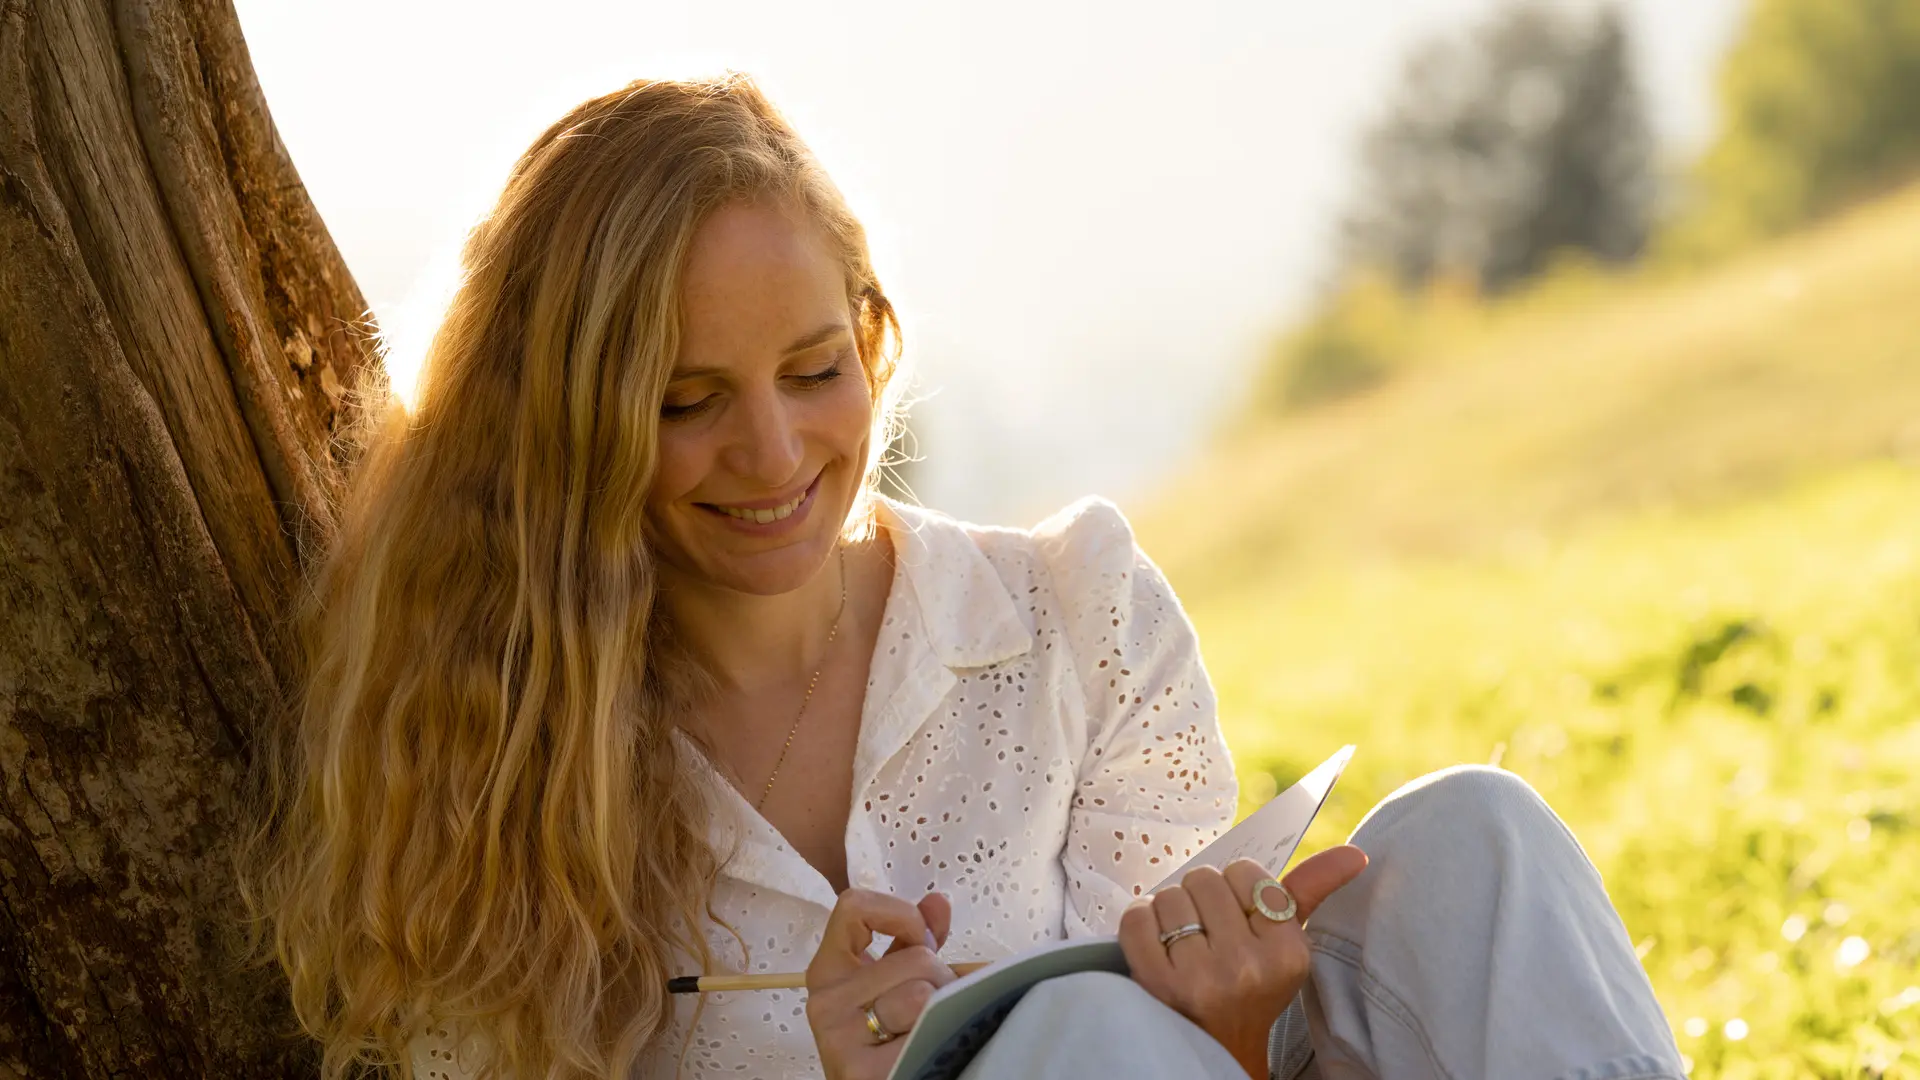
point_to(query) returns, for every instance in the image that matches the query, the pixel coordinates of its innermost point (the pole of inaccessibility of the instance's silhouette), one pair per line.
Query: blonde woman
(620, 670)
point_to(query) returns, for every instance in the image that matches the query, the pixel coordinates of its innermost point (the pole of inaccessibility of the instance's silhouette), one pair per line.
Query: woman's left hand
(1237, 977)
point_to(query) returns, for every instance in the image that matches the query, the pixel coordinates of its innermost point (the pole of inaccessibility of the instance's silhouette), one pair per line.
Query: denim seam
(1638, 1066)
(1635, 1066)
(1348, 953)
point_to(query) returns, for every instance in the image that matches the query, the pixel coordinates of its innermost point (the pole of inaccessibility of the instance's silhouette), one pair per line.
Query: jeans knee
(1099, 991)
(1478, 803)
(1469, 786)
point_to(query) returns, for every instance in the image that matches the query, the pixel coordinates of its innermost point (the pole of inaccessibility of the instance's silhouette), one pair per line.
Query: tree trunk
(176, 331)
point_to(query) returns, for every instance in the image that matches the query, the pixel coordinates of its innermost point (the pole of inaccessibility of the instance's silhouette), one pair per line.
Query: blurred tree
(177, 333)
(1820, 106)
(1500, 148)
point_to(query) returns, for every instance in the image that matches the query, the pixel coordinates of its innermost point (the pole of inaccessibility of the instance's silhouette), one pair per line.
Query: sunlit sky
(1091, 216)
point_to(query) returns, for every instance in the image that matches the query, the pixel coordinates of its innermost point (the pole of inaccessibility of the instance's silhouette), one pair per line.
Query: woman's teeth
(764, 516)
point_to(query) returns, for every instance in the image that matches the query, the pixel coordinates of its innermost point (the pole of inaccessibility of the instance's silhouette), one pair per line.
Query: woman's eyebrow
(809, 340)
(800, 344)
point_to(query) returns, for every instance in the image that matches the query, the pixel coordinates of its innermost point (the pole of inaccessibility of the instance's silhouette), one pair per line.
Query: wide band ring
(1260, 902)
(880, 1033)
(1179, 932)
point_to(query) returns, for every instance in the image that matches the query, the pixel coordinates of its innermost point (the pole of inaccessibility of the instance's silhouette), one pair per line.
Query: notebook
(965, 1013)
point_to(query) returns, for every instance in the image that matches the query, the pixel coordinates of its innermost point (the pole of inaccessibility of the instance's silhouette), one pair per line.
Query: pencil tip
(683, 984)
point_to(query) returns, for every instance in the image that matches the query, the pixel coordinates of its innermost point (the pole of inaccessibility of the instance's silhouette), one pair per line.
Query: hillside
(1579, 404)
(1655, 546)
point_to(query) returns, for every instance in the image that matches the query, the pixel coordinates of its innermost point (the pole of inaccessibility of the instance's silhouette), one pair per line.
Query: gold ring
(1260, 902)
(880, 1033)
(1179, 932)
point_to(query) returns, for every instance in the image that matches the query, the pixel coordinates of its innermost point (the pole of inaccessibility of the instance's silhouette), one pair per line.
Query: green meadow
(1653, 543)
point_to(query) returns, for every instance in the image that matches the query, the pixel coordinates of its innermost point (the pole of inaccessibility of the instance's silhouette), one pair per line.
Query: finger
(899, 1007)
(1320, 876)
(916, 963)
(837, 1011)
(1242, 876)
(938, 911)
(1172, 909)
(1148, 960)
(856, 917)
(1220, 911)
(852, 1050)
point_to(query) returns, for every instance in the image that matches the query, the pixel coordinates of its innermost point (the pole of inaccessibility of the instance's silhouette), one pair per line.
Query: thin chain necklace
(811, 683)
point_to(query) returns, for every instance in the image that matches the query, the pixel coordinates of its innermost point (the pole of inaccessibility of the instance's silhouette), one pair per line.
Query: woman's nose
(767, 445)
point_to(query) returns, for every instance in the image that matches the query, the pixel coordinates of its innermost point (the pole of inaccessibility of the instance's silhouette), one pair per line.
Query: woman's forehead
(744, 248)
(760, 283)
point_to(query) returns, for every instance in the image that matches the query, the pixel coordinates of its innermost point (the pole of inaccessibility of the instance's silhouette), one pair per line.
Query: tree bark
(176, 333)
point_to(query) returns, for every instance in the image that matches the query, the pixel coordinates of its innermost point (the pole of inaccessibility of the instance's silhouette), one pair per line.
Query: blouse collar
(958, 614)
(964, 607)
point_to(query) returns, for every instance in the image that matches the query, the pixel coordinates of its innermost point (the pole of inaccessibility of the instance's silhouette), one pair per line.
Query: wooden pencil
(773, 980)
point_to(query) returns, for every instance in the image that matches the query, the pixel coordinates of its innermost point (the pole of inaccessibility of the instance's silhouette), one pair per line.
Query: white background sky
(1091, 216)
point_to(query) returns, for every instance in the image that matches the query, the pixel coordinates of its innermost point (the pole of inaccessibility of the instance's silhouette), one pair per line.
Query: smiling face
(766, 422)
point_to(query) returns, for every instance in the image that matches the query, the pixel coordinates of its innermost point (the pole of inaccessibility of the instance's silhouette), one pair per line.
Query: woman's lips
(763, 521)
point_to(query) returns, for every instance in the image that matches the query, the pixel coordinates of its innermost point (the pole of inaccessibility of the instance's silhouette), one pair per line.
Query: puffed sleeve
(439, 1052)
(1155, 783)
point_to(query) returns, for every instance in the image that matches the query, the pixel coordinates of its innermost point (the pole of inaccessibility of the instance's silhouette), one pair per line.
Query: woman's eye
(670, 411)
(677, 411)
(819, 378)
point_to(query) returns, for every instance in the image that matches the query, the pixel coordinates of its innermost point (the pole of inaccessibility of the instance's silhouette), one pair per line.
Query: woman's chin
(772, 573)
(761, 564)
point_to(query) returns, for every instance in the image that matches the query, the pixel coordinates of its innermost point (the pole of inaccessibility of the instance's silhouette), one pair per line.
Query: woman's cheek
(677, 471)
(853, 415)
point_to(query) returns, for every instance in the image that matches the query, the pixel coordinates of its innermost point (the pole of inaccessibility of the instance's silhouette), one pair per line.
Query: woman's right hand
(1236, 975)
(843, 979)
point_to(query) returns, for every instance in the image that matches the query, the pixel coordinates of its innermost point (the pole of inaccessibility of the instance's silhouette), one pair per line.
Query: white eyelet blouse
(1038, 741)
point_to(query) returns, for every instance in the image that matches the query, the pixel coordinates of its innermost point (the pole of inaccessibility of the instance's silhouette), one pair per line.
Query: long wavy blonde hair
(474, 810)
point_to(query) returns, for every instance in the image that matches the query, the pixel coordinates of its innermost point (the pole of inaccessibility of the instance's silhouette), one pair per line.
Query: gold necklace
(811, 683)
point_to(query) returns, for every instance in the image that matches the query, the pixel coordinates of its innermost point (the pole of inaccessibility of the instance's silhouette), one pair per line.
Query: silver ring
(880, 1032)
(1179, 932)
(1260, 902)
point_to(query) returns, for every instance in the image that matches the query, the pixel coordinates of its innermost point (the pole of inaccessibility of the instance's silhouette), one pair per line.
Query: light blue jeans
(1479, 943)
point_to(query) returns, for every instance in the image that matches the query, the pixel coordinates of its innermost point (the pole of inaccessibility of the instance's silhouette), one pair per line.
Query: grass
(1657, 551)
(1725, 707)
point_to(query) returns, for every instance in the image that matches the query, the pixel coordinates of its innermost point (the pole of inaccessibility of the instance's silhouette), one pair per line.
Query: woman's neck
(748, 643)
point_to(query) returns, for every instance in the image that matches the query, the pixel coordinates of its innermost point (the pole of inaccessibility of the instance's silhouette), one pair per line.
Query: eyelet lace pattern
(1039, 741)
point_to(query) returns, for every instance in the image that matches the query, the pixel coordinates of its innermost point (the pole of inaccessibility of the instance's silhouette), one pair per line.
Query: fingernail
(931, 943)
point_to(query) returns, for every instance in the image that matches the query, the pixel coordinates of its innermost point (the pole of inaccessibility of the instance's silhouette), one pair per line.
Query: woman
(619, 670)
